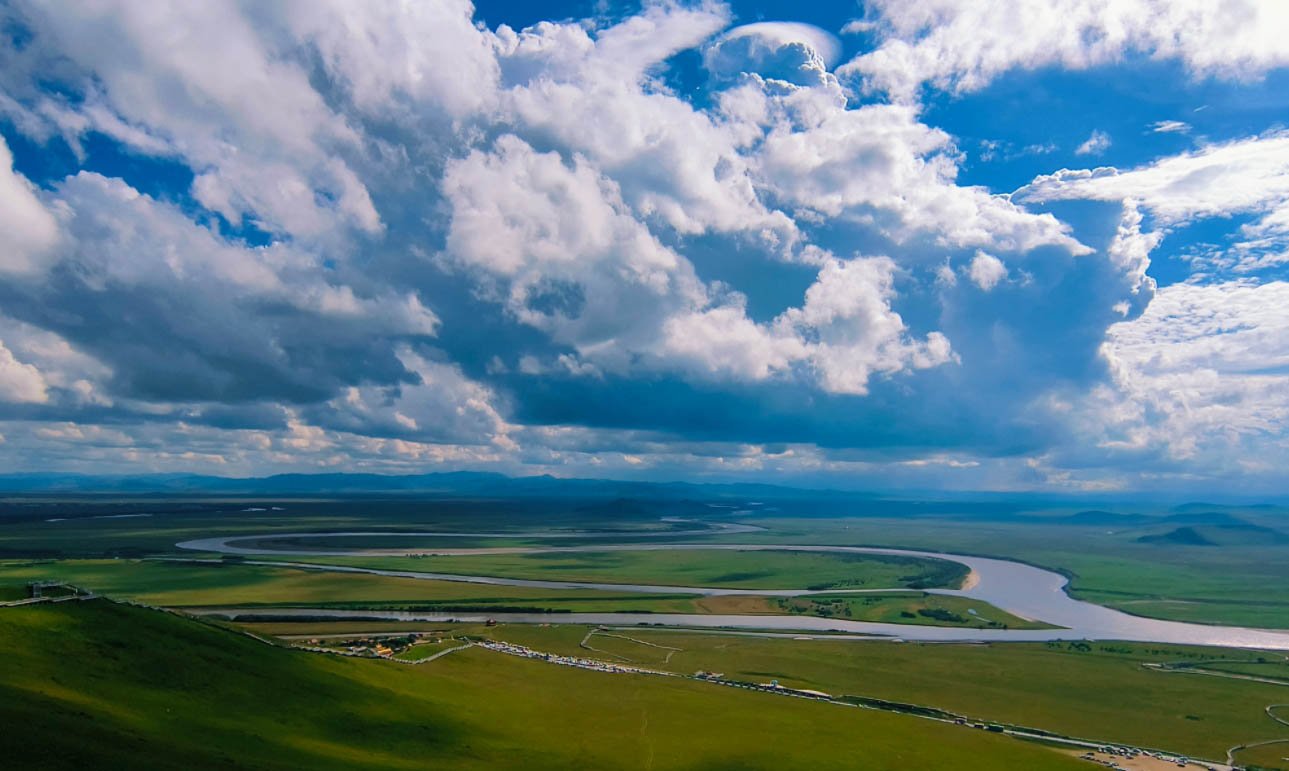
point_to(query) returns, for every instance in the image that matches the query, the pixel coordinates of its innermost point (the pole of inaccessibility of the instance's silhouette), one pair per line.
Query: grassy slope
(1103, 694)
(733, 569)
(95, 685)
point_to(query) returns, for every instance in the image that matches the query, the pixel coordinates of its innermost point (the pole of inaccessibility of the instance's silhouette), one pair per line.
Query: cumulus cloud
(20, 382)
(563, 254)
(795, 53)
(986, 271)
(847, 311)
(383, 235)
(566, 254)
(880, 165)
(1200, 380)
(594, 96)
(30, 229)
(179, 313)
(962, 45)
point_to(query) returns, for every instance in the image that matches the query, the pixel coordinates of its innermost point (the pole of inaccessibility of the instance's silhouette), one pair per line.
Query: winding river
(1020, 589)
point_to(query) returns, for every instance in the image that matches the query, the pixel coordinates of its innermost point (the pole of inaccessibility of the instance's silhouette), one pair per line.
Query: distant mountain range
(481, 484)
(450, 483)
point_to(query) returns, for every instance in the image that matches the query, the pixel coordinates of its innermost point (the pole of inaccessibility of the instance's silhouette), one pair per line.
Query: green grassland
(94, 526)
(1273, 670)
(189, 584)
(1099, 691)
(96, 685)
(181, 584)
(907, 608)
(1229, 573)
(1272, 756)
(757, 569)
(11, 592)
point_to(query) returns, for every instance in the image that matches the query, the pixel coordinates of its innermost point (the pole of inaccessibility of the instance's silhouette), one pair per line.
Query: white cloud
(1247, 176)
(1202, 376)
(986, 271)
(565, 253)
(30, 230)
(961, 45)
(392, 53)
(562, 252)
(1170, 127)
(724, 340)
(880, 166)
(1095, 144)
(853, 329)
(1130, 250)
(20, 382)
(415, 169)
(1216, 180)
(594, 96)
(792, 52)
(444, 407)
(67, 374)
(264, 142)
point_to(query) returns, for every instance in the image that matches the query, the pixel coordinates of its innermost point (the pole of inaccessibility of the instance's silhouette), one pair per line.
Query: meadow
(756, 569)
(141, 688)
(1231, 566)
(186, 583)
(1094, 690)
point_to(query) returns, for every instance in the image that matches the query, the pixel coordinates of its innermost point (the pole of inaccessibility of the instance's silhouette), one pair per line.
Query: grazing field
(143, 689)
(1099, 691)
(756, 569)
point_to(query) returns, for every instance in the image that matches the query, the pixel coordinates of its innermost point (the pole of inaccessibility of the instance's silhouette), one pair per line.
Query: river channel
(1024, 590)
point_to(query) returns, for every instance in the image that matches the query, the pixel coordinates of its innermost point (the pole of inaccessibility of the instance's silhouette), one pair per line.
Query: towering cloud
(669, 239)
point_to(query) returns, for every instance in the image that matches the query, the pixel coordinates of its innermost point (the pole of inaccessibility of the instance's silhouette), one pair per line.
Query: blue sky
(878, 245)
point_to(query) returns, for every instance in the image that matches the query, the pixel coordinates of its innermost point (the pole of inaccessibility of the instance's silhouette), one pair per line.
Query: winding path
(1023, 590)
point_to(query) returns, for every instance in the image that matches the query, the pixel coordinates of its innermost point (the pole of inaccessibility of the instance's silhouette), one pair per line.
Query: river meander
(1024, 590)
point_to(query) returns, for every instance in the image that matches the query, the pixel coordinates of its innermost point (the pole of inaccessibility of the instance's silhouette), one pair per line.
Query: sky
(896, 244)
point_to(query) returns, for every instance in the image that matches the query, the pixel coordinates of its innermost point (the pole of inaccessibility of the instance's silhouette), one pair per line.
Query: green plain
(1098, 691)
(750, 569)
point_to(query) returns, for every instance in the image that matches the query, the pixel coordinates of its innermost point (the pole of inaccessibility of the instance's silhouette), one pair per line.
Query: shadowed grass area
(96, 685)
